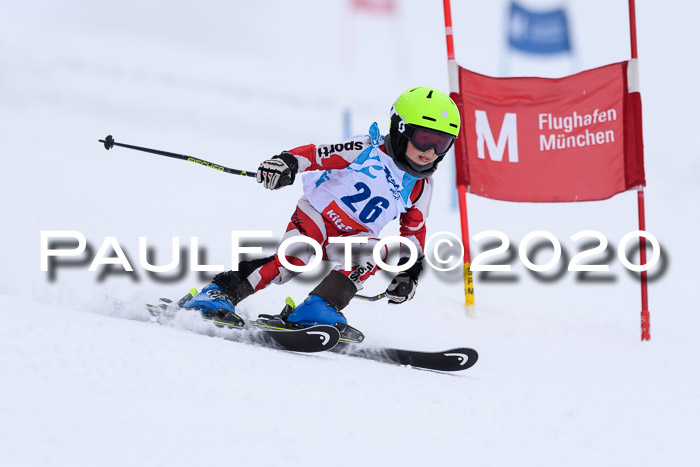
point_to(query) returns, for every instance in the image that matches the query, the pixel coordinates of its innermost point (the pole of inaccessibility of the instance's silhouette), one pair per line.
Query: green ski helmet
(426, 117)
(429, 108)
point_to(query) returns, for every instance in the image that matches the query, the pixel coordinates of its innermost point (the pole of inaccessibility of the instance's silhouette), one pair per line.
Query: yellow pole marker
(469, 291)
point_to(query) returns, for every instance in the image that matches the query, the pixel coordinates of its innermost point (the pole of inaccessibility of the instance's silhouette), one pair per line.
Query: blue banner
(538, 32)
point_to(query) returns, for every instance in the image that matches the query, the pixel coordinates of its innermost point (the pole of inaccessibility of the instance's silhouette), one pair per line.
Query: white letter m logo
(508, 134)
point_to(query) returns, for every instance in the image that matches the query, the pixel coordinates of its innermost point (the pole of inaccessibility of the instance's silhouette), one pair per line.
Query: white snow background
(562, 379)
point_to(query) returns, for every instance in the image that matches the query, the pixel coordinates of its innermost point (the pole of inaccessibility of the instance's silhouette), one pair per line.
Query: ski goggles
(425, 139)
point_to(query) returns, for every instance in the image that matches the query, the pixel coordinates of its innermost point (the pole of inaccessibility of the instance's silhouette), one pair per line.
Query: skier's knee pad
(235, 283)
(337, 289)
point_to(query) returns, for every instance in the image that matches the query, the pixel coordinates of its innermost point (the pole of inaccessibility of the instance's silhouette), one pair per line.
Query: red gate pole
(460, 157)
(646, 325)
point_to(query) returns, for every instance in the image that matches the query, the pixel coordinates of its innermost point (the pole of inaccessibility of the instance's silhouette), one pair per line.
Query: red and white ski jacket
(358, 187)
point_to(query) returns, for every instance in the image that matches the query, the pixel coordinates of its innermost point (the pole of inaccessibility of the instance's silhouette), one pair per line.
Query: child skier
(353, 189)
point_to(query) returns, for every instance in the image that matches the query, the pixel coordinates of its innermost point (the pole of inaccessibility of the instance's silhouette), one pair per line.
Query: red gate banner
(375, 6)
(577, 138)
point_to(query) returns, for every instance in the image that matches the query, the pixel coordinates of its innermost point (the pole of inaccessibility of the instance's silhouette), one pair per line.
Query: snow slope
(562, 377)
(88, 389)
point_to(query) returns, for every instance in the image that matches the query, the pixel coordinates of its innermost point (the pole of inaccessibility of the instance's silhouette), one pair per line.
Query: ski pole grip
(285, 180)
(403, 289)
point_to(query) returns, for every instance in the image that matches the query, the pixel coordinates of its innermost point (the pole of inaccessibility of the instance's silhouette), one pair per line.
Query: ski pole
(110, 143)
(368, 298)
(373, 298)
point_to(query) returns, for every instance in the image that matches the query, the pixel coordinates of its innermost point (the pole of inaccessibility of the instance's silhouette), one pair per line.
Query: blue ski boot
(315, 310)
(215, 306)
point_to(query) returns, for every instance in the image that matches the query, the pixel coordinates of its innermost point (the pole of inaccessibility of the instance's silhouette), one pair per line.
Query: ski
(449, 360)
(348, 334)
(456, 359)
(269, 331)
(308, 340)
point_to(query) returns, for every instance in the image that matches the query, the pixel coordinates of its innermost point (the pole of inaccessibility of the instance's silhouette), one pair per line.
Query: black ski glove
(404, 285)
(277, 172)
